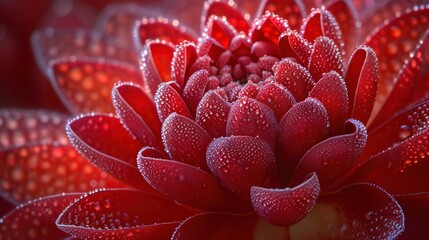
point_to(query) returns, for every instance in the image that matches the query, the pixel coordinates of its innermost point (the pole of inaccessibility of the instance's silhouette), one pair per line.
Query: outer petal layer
(36, 219)
(360, 211)
(121, 214)
(29, 172)
(24, 127)
(86, 84)
(115, 154)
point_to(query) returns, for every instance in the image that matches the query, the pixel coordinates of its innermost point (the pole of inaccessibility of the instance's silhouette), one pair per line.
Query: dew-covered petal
(268, 28)
(286, 206)
(291, 10)
(362, 83)
(184, 56)
(212, 114)
(195, 89)
(85, 84)
(241, 162)
(183, 183)
(331, 90)
(216, 226)
(294, 78)
(360, 211)
(324, 58)
(293, 45)
(185, 141)
(220, 30)
(115, 154)
(347, 18)
(393, 43)
(319, 23)
(397, 128)
(399, 169)
(276, 97)
(224, 9)
(33, 171)
(375, 13)
(23, 127)
(49, 44)
(121, 213)
(334, 156)
(168, 101)
(155, 64)
(402, 91)
(304, 125)
(162, 29)
(249, 117)
(36, 219)
(137, 113)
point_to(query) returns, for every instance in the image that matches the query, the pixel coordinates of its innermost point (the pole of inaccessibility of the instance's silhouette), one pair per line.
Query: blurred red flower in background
(279, 127)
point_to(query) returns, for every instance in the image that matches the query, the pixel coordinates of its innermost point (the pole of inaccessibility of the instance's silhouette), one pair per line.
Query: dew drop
(404, 132)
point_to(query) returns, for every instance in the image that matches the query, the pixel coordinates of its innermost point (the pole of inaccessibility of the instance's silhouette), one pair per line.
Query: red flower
(281, 127)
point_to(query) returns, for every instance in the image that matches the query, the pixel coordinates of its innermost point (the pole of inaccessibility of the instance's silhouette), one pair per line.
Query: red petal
(319, 23)
(401, 168)
(293, 45)
(184, 56)
(185, 141)
(115, 154)
(268, 28)
(304, 125)
(276, 97)
(156, 64)
(401, 93)
(138, 113)
(248, 117)
(294, 78)
(183, 183)
(29, 172)
(223, 9)
(331, 90)
(362, 83)
(325, 58)
(220, 30)
(86, 84)
(216, 226)
(113, 214)
(195, 89)
(249, 90)
(212, 114)
(241, 162)
(398, 128)
(162, 29)
(52, 44)
(23, 127)
(168, 101)
(291, 10)
(334, 156)
(417, 201)
(360, 211)
(346, 16)
(287, 206)
(36, 219)
(118, 20)
(393, 43)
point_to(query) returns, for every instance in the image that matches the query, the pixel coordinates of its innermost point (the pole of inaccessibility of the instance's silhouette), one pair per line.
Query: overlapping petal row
(284, 119)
